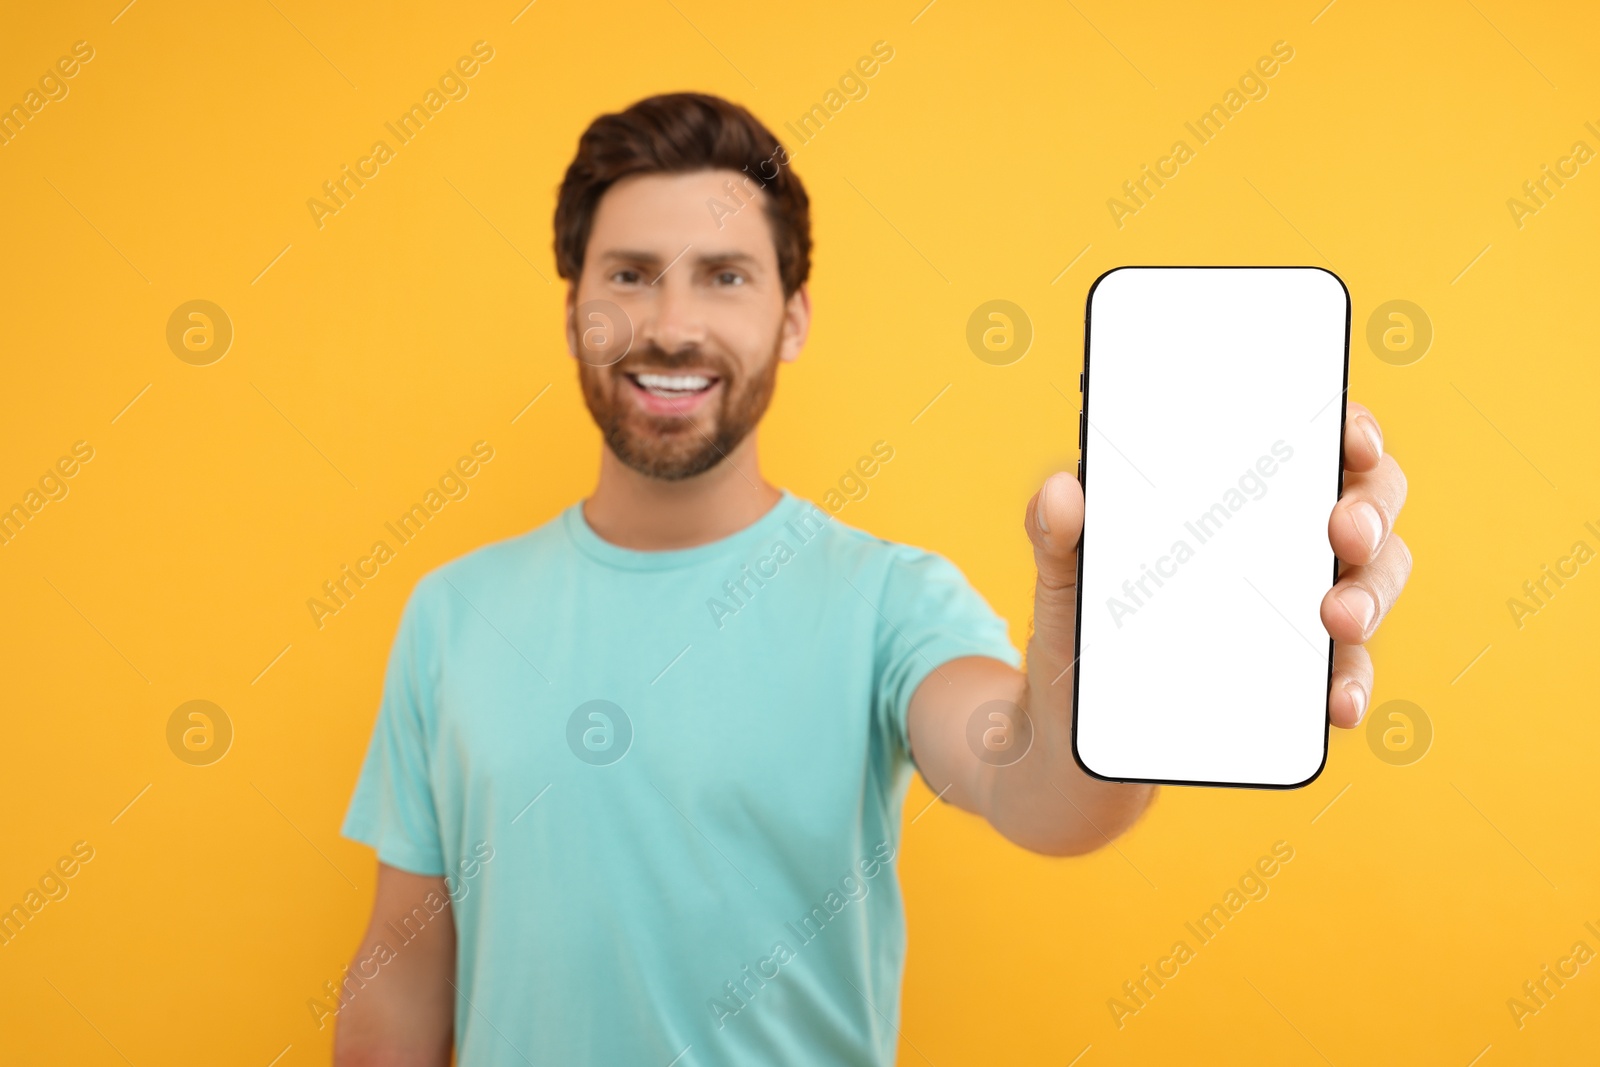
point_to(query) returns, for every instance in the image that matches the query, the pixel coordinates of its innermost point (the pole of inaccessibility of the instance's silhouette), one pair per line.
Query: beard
(671, 447)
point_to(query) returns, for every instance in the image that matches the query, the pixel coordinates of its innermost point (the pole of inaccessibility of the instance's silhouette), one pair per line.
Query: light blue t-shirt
(666, 787)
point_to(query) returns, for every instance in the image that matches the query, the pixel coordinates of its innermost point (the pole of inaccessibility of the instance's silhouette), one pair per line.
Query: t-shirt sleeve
(929, 614)
(393, 808)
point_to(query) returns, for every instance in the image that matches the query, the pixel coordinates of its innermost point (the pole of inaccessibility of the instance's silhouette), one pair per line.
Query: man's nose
(675, 320)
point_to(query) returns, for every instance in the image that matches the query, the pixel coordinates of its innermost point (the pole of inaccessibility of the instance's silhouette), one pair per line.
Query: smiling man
(613, 827)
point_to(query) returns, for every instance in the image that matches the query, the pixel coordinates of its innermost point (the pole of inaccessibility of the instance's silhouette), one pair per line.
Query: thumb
(1054, 522)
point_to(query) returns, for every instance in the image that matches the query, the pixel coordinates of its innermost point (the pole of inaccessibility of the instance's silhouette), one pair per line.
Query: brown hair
(678, 133)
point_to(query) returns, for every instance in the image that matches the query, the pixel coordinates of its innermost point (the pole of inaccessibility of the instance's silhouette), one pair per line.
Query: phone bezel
(1083, 479)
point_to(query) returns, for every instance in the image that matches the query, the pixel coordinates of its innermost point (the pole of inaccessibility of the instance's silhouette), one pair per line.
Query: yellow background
(423, 317)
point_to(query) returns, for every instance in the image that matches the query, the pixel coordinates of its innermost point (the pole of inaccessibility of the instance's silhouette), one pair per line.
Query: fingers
(1363, 440)
(1364, 517)
(1377, 562)
(1351, 689)
(1363, 595)
(1054, 522)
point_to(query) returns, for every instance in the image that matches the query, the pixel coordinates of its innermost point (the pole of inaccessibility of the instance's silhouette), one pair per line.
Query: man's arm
(1044, 801)
(403, 1015)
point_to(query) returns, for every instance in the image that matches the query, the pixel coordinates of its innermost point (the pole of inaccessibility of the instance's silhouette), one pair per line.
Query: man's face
(709, 320)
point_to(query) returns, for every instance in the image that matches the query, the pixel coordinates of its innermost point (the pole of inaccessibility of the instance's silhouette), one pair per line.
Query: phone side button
(1080, 472)
(1083, 430)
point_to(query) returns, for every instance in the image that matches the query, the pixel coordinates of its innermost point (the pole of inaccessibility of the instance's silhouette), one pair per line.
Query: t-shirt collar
(597, 548)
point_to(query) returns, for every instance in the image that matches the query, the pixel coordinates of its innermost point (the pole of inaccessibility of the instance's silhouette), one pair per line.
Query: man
(636, 781)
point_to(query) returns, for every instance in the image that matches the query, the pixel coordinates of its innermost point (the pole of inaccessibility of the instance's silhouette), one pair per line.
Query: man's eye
(729, 277)
(626, 276)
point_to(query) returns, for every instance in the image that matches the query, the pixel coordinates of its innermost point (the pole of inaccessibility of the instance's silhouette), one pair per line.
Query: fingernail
(1358, 696)
(1038, 511)
(1369, 524)
(1359, 603)
(1370, 430)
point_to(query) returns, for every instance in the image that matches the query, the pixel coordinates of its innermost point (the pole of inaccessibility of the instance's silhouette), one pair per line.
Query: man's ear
(796, 324)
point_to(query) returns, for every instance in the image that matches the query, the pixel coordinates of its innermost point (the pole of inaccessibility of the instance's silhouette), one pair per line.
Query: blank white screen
(1211, 465)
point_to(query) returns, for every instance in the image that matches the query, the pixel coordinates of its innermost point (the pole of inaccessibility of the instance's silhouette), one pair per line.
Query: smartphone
(1211, 436)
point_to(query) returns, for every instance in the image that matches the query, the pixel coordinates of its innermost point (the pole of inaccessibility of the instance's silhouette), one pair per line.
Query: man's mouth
(672, 394)
(673, 386)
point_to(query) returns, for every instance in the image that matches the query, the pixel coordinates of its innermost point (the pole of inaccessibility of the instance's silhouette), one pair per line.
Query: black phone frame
(1083, 468)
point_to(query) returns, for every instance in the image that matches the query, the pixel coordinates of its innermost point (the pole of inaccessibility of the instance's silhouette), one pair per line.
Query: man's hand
(1375, 563)
(1045, 801)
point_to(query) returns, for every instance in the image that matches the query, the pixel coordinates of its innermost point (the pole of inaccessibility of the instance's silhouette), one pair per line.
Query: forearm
(385, 1030)
(1037, 795)
(397, 1002)
(1044, 801)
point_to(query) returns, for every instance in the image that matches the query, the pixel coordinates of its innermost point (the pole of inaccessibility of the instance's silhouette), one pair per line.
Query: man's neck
(632, 510)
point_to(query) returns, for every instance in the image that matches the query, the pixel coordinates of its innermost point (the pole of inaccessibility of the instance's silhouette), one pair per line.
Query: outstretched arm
(1044, 801)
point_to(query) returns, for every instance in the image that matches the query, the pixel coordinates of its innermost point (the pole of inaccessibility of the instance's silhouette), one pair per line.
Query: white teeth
(676, 383)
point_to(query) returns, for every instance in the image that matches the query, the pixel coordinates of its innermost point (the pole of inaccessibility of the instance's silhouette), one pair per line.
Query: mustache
(658, 359)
